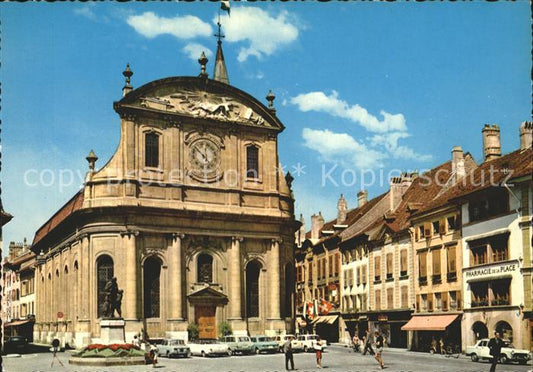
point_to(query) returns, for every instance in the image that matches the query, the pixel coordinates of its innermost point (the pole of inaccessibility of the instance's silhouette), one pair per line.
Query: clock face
(204, 156)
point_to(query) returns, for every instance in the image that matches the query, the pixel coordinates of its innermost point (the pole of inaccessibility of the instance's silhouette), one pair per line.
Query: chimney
(342, 208)
(526, 135)
(491, 142)
(362, 198)
(458, 163)
(398, 187)
(300, 234)
(317, 222)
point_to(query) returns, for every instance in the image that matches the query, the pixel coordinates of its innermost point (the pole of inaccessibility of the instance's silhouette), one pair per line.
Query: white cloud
(185, 27)
(319, 101)
(390, 142)
(265, 33)
(342, 148)
(194, 50)
(85, 11)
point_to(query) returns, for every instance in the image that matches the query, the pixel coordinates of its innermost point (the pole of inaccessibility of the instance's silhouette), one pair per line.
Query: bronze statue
(113, 299)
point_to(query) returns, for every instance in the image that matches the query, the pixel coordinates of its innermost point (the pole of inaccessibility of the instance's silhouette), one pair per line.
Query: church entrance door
(206, 320)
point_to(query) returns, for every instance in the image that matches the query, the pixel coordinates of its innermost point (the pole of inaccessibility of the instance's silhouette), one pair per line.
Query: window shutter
(403, 260)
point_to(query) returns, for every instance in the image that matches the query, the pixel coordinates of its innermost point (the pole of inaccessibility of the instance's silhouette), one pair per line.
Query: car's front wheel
(474, 357)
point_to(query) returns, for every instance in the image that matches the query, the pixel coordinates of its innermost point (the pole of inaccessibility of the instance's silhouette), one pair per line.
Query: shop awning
(429, 323)
(17, 323)
(326, 319)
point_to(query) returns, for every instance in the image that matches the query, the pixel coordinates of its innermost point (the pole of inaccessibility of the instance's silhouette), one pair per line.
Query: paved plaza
(337, 358)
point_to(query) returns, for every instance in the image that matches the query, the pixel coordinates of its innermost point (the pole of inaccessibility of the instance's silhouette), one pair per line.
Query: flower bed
(110, 351)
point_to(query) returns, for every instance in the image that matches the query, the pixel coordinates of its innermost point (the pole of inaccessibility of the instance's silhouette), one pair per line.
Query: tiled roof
(70, 207)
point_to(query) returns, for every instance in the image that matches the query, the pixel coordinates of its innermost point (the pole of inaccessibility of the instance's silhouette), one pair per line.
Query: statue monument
(111, 326)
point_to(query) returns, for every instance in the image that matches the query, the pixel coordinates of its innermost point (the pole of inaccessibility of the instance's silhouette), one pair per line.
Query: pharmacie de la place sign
(507, 268)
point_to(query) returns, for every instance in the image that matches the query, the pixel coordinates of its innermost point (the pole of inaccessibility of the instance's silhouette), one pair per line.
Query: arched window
(152, 272)
(289, 290)
(104, 266)
(253, 269)
(205, 268)
(76, 265)
(151, 155)
(505, 330)
(480, 330)
(252, 162)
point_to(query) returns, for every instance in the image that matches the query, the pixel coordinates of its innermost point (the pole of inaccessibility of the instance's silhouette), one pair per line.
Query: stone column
(234, 268)
(130, 286)
(85, 278)
(176, 280)
(274, 285)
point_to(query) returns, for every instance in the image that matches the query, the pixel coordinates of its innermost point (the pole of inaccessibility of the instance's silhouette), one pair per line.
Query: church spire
(220, 74)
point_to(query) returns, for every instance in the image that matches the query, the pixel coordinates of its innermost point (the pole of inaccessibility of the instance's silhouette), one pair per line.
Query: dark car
(16, 344)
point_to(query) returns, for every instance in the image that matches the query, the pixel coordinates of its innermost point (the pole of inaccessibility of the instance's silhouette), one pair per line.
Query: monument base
(112, 331)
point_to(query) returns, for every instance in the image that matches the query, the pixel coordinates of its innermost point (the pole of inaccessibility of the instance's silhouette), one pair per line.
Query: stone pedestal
(112, 331)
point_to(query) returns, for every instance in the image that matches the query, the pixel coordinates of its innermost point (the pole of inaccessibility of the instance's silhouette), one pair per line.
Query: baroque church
(192, 214)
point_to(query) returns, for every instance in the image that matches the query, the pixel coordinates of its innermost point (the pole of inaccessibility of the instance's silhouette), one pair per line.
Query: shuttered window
(403, 262)
(422, 264)
(389, 265)
(377, 268)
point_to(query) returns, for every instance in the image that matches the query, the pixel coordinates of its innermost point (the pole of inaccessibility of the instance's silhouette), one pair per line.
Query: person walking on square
(318, 350)
(287, 349)
(356, 343)
(495, 348)
(368, 344)
(379, 349)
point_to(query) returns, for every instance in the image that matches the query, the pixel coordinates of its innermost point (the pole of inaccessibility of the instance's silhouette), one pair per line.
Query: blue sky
(359, 86)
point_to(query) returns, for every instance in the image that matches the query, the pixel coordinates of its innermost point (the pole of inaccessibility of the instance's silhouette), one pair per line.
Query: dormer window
(151, 155)
(252, 162)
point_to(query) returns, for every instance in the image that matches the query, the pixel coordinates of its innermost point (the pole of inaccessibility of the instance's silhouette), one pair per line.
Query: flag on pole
(224, 5)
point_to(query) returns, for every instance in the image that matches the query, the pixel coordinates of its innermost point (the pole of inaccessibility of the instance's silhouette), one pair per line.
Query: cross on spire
(219, 34)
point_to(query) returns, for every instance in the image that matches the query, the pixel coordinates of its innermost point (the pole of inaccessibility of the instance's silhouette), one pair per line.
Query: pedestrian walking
(379, 349)
(287, 349)
(367, 343)
(442, 347)
(495, 348)
(356, 343)
(153, 355)
(318, 350)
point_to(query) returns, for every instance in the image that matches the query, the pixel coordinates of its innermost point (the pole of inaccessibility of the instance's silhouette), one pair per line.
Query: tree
(192, 330)
(224, 329)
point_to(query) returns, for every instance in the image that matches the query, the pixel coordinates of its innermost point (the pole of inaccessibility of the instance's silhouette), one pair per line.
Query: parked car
(174, 348)
(307, 343)
(238, 344)
(208, 347)
(264, 344)
(480, 351)
(16, 344)
(281, 339)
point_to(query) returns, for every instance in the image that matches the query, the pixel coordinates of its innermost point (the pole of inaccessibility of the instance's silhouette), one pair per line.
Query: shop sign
(491, 270)
(383, 318)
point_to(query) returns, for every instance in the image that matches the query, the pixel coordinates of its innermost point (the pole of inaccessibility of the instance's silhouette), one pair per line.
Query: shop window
(403, 263)
(501, 290)
(435, 255)
(494, 202)
(389, 266)
(480, 294)
(252, 162)
(451, 262)
(422, 268)
(377, 269)
(151, 153)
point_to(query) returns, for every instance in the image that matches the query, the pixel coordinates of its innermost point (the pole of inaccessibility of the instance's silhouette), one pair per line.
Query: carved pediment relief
(202, 242)
(201, 104)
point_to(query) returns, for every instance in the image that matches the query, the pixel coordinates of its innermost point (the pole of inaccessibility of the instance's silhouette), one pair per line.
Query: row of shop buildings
(445, 254)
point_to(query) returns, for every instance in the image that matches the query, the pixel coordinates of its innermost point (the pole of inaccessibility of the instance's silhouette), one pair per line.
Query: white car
(481, 351)
(174, 348)
(281, 339)
(208, 347)
(307, 343)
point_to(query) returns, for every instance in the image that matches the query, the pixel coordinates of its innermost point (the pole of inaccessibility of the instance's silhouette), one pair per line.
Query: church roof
(200, 100)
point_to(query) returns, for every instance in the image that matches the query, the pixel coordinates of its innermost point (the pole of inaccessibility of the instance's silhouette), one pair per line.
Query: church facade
(192, 214)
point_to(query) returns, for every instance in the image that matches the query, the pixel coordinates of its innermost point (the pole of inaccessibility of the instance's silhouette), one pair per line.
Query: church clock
(204, 157)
